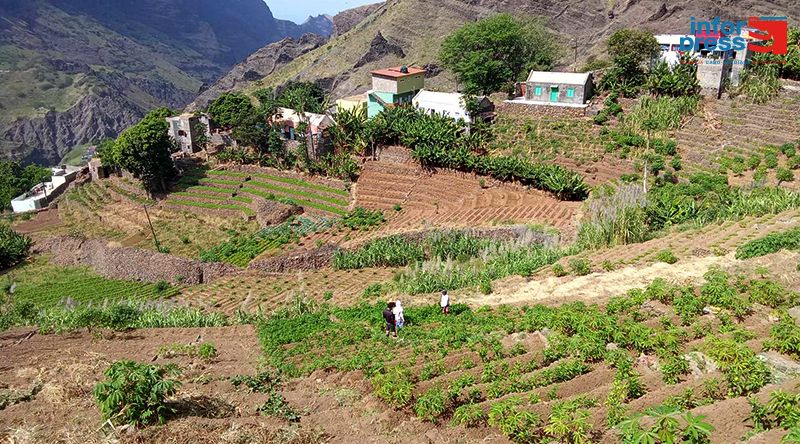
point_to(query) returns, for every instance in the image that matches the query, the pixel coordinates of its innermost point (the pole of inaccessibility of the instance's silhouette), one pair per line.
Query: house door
(554, 94)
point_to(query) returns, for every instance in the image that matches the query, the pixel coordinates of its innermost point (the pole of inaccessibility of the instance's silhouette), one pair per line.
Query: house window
(570, 92)
(537, 91)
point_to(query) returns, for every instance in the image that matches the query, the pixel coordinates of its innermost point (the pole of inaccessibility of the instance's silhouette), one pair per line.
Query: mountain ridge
(128, 55)
(590, 22)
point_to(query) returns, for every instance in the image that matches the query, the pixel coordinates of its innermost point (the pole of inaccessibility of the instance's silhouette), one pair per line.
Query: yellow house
(352, 102)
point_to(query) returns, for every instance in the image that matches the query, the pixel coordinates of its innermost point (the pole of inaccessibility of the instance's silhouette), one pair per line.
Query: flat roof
(569, 78)
(355, 98)
(395, 72)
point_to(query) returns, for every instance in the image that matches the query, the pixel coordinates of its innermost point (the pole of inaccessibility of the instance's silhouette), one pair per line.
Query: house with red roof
(392, 87)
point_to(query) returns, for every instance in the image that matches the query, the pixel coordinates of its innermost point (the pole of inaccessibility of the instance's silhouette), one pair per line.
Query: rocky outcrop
(115, 262)
(258, 65)
(378, 49)
(347, 20)
(46, 139)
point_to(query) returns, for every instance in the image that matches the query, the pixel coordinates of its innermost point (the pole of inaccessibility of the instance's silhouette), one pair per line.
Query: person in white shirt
(445, 302)
(399, 319)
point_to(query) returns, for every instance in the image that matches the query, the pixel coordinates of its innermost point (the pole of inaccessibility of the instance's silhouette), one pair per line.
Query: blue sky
(299, 10)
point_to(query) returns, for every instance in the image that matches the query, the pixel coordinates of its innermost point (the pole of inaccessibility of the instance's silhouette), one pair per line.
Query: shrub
(784, 175)
(517, 424)
(135, 393)
(14, 247)
(666, 256)
(468, 415)
(277, 406)
(207, 351)
(673, 368)
(431, 404)
(360, 219)
(394, 386)
(485, 285)
(607, 265)
(580, 267)
(558, 270)
(753, 161)
(743, 371)
(785, 337)
(770, 243)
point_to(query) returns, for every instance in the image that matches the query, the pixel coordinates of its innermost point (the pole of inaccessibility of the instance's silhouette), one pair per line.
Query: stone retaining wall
(303, 261)
(115, 262)
(520, 109)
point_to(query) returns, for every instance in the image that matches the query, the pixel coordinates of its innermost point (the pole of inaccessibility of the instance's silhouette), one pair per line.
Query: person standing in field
(388, 316)
(444, 302)
(399, 317)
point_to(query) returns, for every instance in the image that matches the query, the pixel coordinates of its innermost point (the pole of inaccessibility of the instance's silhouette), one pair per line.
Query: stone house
(558, 88)
(187, 129)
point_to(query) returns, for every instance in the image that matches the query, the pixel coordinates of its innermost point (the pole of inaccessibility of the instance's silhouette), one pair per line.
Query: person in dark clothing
(391, 322)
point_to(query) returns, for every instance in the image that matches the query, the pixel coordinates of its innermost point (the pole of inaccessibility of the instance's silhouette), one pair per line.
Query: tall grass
(668, 111)
(615, 217)
(117, 315)
(495, 262)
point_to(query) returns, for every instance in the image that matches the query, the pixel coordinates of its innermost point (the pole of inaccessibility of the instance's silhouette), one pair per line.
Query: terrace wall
(125, 263)
(519, 109)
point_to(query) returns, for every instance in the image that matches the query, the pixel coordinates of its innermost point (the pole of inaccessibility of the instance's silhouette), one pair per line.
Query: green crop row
(211, 206)
(290, 201)
(302, 183)
(771, 243)
(293, 192)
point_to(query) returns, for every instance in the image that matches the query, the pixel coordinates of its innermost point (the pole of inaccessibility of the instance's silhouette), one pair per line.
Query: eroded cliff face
(73, 71)
(347, 20)
(93, 118)
(260, 64)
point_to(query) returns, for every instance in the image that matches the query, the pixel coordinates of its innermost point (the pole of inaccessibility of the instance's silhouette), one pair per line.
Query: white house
(670, 47)
(41, 195)
(449, 105)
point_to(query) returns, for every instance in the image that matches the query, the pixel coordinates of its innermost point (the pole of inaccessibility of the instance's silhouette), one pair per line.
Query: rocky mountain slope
(260, 64)
(419, 26)
(76, 71)
(268, 59)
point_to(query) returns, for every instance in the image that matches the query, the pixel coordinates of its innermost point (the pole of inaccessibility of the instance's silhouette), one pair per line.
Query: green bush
(431, 404)
(518, 425)
(673, 368)
(207, 351)
(785, 337)
(580, 267)
(14, 247)
(666, 256)
(558, 270)
(468, 415)
(135, 393)
(743, 371)
(784, 175)
(362, 219)
(771, 243)
(394, 386)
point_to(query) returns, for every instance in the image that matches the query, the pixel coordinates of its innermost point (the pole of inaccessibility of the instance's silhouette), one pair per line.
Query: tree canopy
(230, 109)
(16, 179)
(629, 50)
(491, 54)
(304, 97)
(145, 150)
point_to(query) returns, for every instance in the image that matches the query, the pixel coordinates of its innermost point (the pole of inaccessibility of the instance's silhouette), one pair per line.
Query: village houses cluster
(402, 85)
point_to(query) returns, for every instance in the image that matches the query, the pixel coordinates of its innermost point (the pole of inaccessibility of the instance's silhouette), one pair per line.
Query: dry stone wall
(115, 262)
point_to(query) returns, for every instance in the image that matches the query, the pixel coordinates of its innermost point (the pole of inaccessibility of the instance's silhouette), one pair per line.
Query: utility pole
(152, 230)
(575, 46)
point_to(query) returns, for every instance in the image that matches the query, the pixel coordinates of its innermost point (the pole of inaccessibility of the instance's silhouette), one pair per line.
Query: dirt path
(596, 287)
(41, 221)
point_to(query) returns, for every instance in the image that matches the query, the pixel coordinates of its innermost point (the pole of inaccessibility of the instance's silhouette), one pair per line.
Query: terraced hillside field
(235, 190)
(417, 199)
(735, 127)
(113, 209)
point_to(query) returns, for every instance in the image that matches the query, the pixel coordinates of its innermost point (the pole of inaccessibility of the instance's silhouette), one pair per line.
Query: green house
(392, 87)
